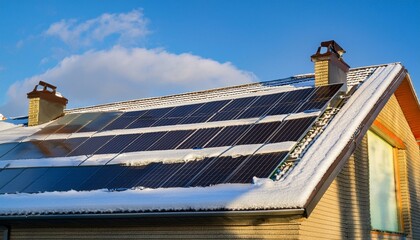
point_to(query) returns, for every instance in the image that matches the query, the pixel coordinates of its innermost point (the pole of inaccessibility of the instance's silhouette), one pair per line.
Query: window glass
(383, 198)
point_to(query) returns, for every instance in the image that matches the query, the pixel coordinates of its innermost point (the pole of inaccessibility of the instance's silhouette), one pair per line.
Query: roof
(268, 145)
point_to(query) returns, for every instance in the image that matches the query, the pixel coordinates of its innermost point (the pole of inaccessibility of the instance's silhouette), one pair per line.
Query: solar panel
(261, 106)
(124, 120)
(117, 144)
(186, 173)
(199, 138)
(90, 146)
(6, 147)
(57, 124)
(47, 181)
(259, 133)
(292, 130)
(100, 122)
(22, 180)
(27, 150)
(259, 165)
(7, 175)
(232, 109)
(75, 178)
(101, 178)
(78, 122)
(218, 171)
(228, 136)
(61, 148)
(204, 172)
(144, 141)
(170, 140)
(158, 174)
(149, 118)
(325, 92)
(130, 176)
(203, 113)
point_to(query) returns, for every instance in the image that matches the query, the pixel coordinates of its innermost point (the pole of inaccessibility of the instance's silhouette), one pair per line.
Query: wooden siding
(275, 231)
(343, 211)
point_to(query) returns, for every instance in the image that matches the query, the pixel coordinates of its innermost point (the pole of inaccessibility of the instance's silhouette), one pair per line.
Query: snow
(16, 133)
(43, 162)
(222, 196)
(292, 191)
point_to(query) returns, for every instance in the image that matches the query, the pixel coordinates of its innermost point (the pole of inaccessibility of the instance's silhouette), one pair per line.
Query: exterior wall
(274, 231)
(343, 211)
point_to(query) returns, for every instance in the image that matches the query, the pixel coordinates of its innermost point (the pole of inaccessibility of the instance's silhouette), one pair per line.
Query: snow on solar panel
(198, 172)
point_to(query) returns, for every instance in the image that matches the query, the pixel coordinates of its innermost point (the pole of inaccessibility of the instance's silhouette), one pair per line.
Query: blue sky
(104, 51)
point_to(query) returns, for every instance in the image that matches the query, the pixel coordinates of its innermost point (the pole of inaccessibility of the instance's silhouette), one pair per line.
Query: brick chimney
(45, 104)
(330, 67)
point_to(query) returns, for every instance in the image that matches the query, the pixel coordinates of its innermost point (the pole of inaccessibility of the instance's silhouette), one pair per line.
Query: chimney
(45, 104)
(330, 67)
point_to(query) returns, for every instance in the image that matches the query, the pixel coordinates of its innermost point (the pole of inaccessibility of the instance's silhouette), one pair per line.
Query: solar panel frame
(104, 119)
(259, 133)
(75, 177)
(7, 175)
(102, 177)
(117, 144)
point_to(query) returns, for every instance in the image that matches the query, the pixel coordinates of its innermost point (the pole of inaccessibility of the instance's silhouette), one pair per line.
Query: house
(329, 155)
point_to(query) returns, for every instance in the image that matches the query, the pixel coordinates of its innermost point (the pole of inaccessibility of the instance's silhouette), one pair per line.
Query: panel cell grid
(182, 111)
(47, 181)
(228, 136)
(170, 140)
(130, 176)
(90, 146)
(21, 181)
(259, 133)
(185, 174)
(78, 122)
(158, 175)
(100, 122)
(144, 141)
(75, 177)
(102, 177)
(199, 138)
(210, 108)
(27, 150)
(57, 124)
(117, 144)
(7, 175)
(232, 109)
(258, 165)
(218, 171)
(297, 95)
(292, 130)
(325, 92)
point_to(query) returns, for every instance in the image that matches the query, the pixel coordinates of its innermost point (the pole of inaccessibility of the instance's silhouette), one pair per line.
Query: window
(383, 194)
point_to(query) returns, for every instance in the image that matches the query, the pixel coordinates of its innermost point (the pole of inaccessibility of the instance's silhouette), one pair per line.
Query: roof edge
(342, 158)
(235, 215)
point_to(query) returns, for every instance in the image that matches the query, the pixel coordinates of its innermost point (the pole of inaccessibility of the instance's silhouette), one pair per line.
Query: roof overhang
(410, 106)
(198, 217)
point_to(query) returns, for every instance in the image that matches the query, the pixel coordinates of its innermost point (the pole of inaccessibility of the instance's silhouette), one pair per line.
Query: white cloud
(129, 27)
(121, 74)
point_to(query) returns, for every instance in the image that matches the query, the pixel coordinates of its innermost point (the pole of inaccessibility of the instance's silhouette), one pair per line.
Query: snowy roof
(258, 146)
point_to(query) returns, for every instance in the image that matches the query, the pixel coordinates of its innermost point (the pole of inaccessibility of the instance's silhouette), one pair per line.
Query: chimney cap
(332, 48)
(47, 91)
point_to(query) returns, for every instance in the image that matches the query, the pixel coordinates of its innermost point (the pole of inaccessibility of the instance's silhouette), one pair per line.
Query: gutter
(145, 215)
(341, 160)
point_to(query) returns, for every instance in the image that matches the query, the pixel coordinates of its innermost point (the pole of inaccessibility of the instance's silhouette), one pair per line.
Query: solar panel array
(77, 135)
